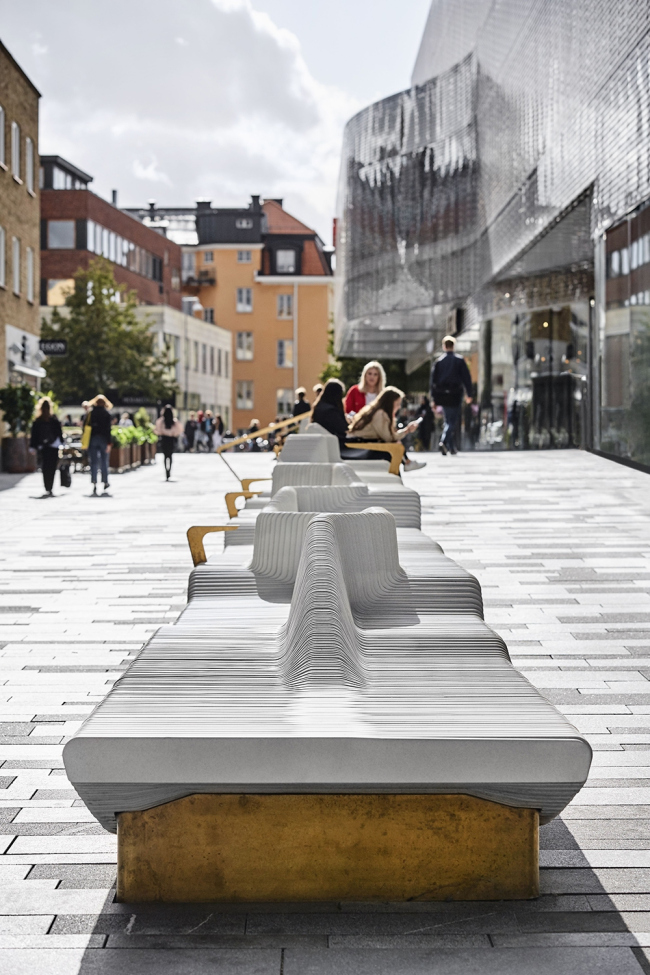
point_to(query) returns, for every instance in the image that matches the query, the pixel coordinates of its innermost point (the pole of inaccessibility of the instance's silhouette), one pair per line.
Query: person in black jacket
(301, 405)
(448, 377)
(47, 436)
(329, 412)
(100, 441)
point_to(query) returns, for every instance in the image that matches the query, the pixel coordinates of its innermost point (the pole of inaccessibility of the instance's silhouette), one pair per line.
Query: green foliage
(108, 347)
(142, 418)
(122, 436)
(17, 404)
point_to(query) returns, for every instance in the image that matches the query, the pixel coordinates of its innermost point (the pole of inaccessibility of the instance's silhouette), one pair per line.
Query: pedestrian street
(560, 542)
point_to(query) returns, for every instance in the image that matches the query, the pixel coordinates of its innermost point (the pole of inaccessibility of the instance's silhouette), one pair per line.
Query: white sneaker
(414, 465)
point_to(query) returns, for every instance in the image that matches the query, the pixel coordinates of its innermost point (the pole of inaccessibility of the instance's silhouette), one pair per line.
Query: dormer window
(285, 262)
(244, 223)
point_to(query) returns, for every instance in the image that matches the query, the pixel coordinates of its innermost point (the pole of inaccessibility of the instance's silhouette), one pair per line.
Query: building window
(226, 364)
(29, 165)
(285, 262)
(244, 395)
(244, 223)
(212, 360)
(244, 257)
(196, 357)
(208, 315)
(3, 158)
(30, 275)
(187, 265)
(244, 299)
(218, 362)
(284, 401)
(285, 306)
(60, 234)
(244, 347)
(285, 353)
(204, 357)
(3, 258)
(58, 290)
(15, 264)
(15, 150)
(208, 257)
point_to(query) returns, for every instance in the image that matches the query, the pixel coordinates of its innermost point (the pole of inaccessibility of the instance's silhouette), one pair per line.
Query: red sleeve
(355, 400)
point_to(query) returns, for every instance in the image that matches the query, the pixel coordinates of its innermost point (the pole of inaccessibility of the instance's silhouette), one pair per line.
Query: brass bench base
(247, 848)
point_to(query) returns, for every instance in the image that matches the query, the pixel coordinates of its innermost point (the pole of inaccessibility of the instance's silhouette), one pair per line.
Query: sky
(177, 99)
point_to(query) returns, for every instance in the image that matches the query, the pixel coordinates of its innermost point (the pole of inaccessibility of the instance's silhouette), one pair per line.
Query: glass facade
(503, 197)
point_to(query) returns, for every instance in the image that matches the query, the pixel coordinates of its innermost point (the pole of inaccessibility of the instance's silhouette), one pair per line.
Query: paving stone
(82, 877)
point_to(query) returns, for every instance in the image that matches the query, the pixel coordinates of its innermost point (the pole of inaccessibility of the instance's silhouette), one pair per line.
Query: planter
(134, 451)
(147, 453)
(119, 459)
(16, 458)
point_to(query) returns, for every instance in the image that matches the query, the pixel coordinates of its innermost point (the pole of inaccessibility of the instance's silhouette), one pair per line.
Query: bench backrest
(311, 448)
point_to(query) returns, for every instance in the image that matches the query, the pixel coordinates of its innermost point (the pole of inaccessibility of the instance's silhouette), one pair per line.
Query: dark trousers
(49, 460)
(167, 444)
(451, 414)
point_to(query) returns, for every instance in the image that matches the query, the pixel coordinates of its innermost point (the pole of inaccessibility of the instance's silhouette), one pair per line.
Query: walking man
(448, 377)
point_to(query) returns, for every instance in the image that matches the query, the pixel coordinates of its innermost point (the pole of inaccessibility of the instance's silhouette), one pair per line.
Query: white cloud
(181, 100)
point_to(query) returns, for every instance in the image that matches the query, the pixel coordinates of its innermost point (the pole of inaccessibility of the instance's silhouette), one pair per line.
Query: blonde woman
(376, 422)
(371, 384)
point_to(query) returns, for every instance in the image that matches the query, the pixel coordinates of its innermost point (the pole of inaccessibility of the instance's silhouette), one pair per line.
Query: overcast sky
(179, 99)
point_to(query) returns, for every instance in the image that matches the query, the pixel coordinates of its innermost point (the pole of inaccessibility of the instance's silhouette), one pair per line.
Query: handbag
(85, 437)
(66, 476)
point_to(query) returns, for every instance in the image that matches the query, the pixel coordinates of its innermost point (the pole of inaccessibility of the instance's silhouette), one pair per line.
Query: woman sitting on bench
(376, 422)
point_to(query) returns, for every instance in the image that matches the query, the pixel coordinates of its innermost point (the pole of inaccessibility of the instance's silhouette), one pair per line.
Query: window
(204, 357)
(58, 289)
(29, 165)
(3, 258)
(244, 395)
(60, 234)
(244, 348)
(244, 223)
(244, 257)
(285, 262)
(30, 275)
(244, 299)
(226, 364)
(3, 158)
(208, 315)
(187, 265)
(285, 306)
(196, 357)
(15, 150)
(218, 362)
(212, 360)
(15, 264)
(208, 257)
(285, 353)
(284, 401)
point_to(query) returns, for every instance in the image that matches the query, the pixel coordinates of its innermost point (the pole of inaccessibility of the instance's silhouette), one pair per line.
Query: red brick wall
(82, 204)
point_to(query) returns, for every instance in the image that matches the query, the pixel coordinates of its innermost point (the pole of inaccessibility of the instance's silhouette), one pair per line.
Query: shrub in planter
(17, 404)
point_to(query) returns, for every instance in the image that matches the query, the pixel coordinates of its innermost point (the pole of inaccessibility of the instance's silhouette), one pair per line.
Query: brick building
(19, 216)
(77, 225)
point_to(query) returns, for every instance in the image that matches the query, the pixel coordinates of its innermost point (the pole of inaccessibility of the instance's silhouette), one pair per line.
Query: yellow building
(265, 277)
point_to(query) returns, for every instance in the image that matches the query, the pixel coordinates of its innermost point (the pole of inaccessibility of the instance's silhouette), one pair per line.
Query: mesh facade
(486, 195)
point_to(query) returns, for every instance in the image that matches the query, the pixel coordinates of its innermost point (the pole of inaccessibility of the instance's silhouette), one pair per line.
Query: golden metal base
(246, 848)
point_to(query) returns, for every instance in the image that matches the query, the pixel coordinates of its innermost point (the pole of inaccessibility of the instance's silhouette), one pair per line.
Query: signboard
(53, 347)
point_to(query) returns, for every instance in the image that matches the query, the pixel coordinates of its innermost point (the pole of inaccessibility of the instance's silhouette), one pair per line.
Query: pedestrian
(252, 430)
(369, 387)
(376, 421)
(217, 436)
(317, 390)
(448, 377)
(191, 427)
(301, 405)
(47, 437)
(426, 426)
(168, 429)
(329, 413)
(99, 420)
(207, 428)
(125, 420)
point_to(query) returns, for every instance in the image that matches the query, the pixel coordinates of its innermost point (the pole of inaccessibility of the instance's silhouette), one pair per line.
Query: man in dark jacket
(448, 377)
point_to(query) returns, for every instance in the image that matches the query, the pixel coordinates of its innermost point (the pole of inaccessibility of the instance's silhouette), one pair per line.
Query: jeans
(448, 438)
(98, 457)
(49, 461)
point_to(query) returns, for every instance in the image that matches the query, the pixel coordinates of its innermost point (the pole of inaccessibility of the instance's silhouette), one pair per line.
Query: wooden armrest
(247, 481)
(195, 536)
(232, 496)
(396, 451)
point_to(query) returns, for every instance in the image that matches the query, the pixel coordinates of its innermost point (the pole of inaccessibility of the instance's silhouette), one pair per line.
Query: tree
(108, 347)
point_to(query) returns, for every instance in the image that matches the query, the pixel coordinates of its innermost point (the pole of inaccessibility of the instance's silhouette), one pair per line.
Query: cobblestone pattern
(560, 542)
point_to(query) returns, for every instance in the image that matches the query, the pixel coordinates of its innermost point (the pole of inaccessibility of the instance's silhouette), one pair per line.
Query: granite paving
(561, 544)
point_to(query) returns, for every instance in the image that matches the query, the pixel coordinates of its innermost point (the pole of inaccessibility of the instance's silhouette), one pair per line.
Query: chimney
(202, 205)
(152, 205)
(255, 204)
(114, 197)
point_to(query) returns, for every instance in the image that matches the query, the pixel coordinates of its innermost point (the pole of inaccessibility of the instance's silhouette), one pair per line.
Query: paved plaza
(560, 542)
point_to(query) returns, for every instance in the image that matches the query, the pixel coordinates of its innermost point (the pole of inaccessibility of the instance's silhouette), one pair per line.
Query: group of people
(203, 431)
